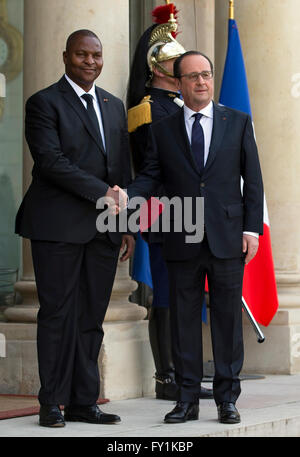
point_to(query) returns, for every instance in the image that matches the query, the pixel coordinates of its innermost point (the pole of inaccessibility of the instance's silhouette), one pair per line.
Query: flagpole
(260, 335)
(231, 9)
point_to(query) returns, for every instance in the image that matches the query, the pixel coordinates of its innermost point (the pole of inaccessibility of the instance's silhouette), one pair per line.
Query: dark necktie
(92, 114)
(197, 143)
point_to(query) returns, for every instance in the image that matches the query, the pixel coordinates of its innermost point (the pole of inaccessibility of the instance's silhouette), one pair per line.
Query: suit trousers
(74, 284)
(187, 286)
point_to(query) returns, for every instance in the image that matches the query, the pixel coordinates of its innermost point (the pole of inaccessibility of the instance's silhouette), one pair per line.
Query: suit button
(202, 184)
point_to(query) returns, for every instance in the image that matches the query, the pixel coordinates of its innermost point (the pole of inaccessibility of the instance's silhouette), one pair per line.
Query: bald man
(77, 136)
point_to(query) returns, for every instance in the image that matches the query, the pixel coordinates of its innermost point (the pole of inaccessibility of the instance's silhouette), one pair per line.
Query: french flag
(259, 286)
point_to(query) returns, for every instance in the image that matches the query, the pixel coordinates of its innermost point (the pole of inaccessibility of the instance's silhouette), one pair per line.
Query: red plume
(161, 14)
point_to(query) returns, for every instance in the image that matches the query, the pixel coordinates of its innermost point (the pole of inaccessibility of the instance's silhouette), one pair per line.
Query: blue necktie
(197, 143)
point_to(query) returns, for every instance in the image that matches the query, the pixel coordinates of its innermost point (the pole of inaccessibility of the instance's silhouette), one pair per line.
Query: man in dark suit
(77, 135)
(205, 155)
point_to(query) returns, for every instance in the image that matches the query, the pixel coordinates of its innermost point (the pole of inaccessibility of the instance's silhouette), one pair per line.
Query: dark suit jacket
(232, 155)
(71, 170)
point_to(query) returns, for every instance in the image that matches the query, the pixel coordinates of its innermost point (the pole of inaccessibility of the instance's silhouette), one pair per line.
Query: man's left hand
(127, 246)
(250, 246)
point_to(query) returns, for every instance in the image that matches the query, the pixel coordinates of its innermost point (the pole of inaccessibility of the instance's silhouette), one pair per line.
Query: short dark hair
(83, 32)
(179, 59)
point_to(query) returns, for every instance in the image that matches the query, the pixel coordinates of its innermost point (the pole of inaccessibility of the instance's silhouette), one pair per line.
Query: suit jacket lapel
(73, 100)
(219, 127)
(104, 108)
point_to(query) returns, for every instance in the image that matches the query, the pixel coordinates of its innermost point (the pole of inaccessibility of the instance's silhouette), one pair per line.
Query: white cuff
(256, 235)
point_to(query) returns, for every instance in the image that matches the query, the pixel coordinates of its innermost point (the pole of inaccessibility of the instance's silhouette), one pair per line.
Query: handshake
(116, 199)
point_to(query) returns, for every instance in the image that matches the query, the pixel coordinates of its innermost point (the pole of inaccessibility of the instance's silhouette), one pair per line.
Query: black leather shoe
(51, 416)
(90, 414)
(206, 393)
(183, 411)
(228, 414)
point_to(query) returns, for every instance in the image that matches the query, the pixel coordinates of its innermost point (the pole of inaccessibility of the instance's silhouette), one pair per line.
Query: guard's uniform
(162, 103)
(156, 104)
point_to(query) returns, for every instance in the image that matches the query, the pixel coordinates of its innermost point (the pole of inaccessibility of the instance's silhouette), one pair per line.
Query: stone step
(269, 407)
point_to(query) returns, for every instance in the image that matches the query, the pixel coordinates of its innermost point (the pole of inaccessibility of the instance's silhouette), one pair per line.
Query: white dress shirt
(206, 122)
(79, 91)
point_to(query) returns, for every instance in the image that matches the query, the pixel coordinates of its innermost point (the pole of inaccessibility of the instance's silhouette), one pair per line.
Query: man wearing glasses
(203, 150)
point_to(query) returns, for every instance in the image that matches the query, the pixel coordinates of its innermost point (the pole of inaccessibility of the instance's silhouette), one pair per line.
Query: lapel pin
(105, 99)
(224, 118)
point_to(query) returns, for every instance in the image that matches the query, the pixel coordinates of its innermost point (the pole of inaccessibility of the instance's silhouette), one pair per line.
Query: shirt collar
(207, 111)
(79, 91)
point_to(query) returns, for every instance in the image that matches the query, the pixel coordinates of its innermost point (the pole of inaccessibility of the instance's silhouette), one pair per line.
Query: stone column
(270, 37)
(46, 28)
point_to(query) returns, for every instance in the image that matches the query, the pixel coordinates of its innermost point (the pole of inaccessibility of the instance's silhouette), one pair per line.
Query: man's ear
(158, 73)
(178, 83)
(65, 57)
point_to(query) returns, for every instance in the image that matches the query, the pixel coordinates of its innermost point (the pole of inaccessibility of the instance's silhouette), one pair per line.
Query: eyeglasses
(206, 75)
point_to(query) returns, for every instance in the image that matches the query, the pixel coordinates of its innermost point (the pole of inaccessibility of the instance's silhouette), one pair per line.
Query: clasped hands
(116, 199)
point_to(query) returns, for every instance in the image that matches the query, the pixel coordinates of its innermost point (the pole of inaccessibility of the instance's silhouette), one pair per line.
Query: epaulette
(176, 99)
(140, 114)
